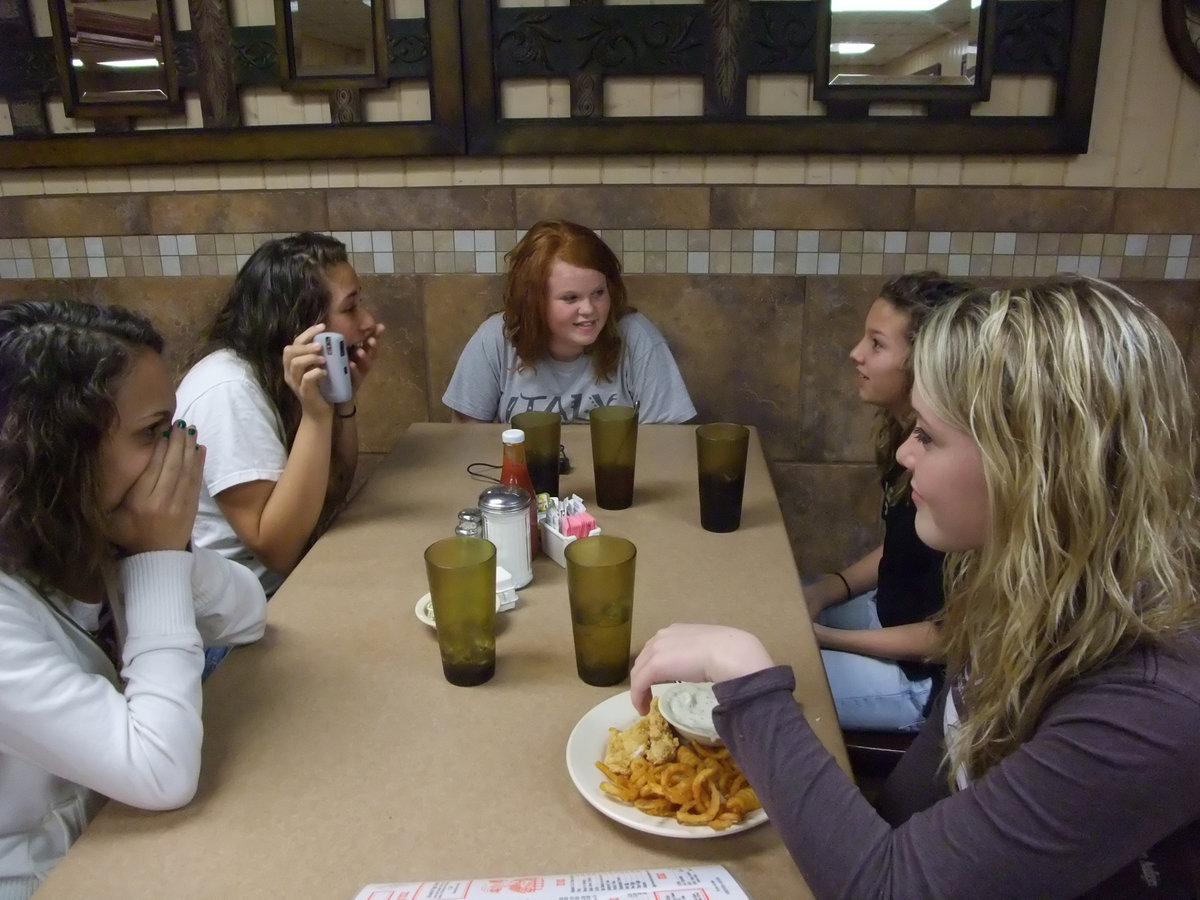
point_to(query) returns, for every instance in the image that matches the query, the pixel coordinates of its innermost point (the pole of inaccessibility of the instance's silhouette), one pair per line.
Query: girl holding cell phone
(281, 454)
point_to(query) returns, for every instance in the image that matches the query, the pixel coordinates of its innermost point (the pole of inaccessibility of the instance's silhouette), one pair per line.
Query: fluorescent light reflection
(850, 47)
(885, 5)
(132, 63)
(121, 63)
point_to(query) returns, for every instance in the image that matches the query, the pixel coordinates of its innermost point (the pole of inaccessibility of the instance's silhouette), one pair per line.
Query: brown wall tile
(1156, 211)
(12, 289)
(618, 206)
(237, 211)
(453, 307)
(395, 393)
(831, 513)
(1177, 303)
(834, 424)
(83, 215)
(180, 308)
(1012, 209)
(415, 208)
(847, 207)
(737, 342)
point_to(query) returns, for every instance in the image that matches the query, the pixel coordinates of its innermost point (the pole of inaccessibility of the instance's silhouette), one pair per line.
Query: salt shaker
(470, 523)
(505, 511)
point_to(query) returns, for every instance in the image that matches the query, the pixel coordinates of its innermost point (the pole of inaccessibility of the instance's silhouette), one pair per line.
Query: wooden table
(336, 755)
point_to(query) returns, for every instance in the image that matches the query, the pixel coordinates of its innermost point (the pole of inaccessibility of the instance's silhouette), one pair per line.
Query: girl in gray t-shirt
(567, 340)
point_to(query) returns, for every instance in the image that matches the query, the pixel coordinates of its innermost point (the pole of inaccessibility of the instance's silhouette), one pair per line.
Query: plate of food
(637, 749)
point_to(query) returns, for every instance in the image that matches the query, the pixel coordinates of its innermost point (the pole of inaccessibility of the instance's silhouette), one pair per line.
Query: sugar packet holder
(554, 541)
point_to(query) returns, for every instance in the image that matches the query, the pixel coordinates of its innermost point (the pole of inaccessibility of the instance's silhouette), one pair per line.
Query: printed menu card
(679, 883)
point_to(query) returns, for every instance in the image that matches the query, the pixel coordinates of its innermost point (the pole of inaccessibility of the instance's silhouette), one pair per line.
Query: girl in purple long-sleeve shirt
(1053, 461)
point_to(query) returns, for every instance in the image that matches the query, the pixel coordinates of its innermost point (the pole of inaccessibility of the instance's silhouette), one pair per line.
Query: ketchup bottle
(515, 471)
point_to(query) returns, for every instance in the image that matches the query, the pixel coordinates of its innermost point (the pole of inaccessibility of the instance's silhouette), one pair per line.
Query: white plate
(586, 746)
(424, 610)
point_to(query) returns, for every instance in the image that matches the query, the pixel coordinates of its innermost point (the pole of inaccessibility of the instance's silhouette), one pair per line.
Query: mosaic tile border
(642, 251)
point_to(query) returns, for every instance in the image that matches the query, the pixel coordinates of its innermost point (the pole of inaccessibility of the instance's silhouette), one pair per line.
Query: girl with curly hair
(567, 340)
(104, 603)
(1053, 460)
(872, 618)
(280, 456)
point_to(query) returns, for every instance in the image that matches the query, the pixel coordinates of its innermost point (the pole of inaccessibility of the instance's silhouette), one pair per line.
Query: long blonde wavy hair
(1079, 401)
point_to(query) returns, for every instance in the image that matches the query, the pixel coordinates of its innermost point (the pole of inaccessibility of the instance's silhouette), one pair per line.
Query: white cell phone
(336, 387)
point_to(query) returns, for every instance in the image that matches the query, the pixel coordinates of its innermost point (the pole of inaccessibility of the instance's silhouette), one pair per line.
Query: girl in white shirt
(279, 454)
(104, 605)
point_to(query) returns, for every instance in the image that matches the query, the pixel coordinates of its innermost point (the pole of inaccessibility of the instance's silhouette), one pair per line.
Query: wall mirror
(328, 44)
(905, 50)
(1181, 23)
(115, 57)
(466, 51)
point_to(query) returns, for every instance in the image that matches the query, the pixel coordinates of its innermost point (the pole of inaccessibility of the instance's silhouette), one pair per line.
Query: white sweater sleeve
(142, 746)
(228, 598)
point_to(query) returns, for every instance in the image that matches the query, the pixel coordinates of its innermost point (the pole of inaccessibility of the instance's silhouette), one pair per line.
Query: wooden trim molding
(466, 50)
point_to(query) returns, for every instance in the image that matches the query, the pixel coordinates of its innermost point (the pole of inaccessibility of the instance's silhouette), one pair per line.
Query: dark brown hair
(525, 297)
(916, 295)
(280, 291)
(61, 365)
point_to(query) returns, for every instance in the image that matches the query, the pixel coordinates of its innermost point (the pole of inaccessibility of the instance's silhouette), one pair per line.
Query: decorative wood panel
(466, 49)
(724, 42)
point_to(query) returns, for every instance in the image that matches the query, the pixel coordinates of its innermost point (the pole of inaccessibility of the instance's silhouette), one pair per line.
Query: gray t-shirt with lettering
(488, 385)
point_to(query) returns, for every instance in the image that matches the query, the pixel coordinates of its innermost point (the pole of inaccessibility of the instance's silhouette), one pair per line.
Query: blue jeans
(870, 693)
(212, 656)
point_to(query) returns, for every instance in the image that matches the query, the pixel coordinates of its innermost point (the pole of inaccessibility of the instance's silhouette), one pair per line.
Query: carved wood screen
(468, 49)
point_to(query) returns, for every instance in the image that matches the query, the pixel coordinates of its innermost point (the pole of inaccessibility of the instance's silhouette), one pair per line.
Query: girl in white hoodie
(104, 606)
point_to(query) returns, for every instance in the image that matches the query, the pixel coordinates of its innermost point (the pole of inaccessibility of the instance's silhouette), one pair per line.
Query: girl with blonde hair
(567, 340)
(1053, 460)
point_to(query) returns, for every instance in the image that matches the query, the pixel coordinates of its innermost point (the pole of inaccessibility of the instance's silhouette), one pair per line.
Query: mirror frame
(464, 71)
(834, 95)
(77, 108)
(292, 81)
(1179, 38)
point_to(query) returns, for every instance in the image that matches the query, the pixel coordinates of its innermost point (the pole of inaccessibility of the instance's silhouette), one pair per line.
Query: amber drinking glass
(614, 452)
(462, 582)
(721, 464)
(543, 435)
(600, 588)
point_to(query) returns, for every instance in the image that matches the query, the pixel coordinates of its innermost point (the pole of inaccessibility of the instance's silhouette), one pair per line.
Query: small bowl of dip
(688, 707)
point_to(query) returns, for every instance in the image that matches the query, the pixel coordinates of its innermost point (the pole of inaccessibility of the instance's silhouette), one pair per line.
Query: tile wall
(760, 290)
(697, 251)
